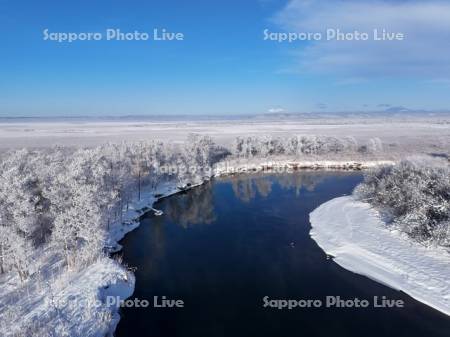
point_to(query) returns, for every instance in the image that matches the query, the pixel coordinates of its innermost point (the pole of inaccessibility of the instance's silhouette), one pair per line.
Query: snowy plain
(403, 134)
(355, 235)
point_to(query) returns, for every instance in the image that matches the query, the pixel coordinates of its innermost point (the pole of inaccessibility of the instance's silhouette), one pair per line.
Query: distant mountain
(389, 112)
(397, 109)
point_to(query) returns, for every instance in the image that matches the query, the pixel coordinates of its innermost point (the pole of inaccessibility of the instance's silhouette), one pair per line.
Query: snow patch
(353, 232)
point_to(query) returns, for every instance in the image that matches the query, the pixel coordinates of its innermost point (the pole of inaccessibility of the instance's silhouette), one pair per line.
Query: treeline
(415, 195)
(68, 198)
(249, 147)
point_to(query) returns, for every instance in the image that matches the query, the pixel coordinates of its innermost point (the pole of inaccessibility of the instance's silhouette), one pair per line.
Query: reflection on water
(193, 208)
(246, 186)
(223, 246)
(196, 207)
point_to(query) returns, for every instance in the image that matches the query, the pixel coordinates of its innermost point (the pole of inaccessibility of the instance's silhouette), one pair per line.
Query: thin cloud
(275, 110)
(424, 53)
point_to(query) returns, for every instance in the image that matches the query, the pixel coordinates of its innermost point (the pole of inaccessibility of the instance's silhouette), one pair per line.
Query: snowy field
(354, 234)
(410, 134)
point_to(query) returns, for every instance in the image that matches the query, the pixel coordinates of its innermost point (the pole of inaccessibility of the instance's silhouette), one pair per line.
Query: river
(221, 248)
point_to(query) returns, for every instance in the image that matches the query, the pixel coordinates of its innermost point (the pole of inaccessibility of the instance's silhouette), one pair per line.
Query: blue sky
(223, 66)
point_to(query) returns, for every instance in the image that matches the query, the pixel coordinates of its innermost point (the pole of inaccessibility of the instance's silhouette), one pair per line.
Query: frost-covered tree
(415, 193)
(374, 145)
(300, 146)
(58, 204)
(198, 155)
(237, 148)
(23, 209)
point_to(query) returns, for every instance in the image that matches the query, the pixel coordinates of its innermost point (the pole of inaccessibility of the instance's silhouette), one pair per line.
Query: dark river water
(222, 247)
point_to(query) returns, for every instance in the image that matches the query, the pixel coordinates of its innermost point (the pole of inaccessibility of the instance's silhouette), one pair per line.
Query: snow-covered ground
(402, 134)
(69, 303)
(353, 232)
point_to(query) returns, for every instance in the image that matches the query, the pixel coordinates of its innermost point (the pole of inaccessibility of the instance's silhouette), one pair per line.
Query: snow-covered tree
(415, 193)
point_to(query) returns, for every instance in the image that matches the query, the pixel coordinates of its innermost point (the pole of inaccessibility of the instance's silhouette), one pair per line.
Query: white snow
(74, 303)
(411, 134)
(74, 290)
(236, 166)
(354, 233)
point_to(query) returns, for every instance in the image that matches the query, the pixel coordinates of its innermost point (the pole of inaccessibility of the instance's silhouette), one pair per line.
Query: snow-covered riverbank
(288, 165)
(353, 232)
(77, 304)
(107, 277)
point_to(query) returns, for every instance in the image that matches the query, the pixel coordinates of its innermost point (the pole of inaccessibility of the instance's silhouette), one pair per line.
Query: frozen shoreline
(354, 234)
